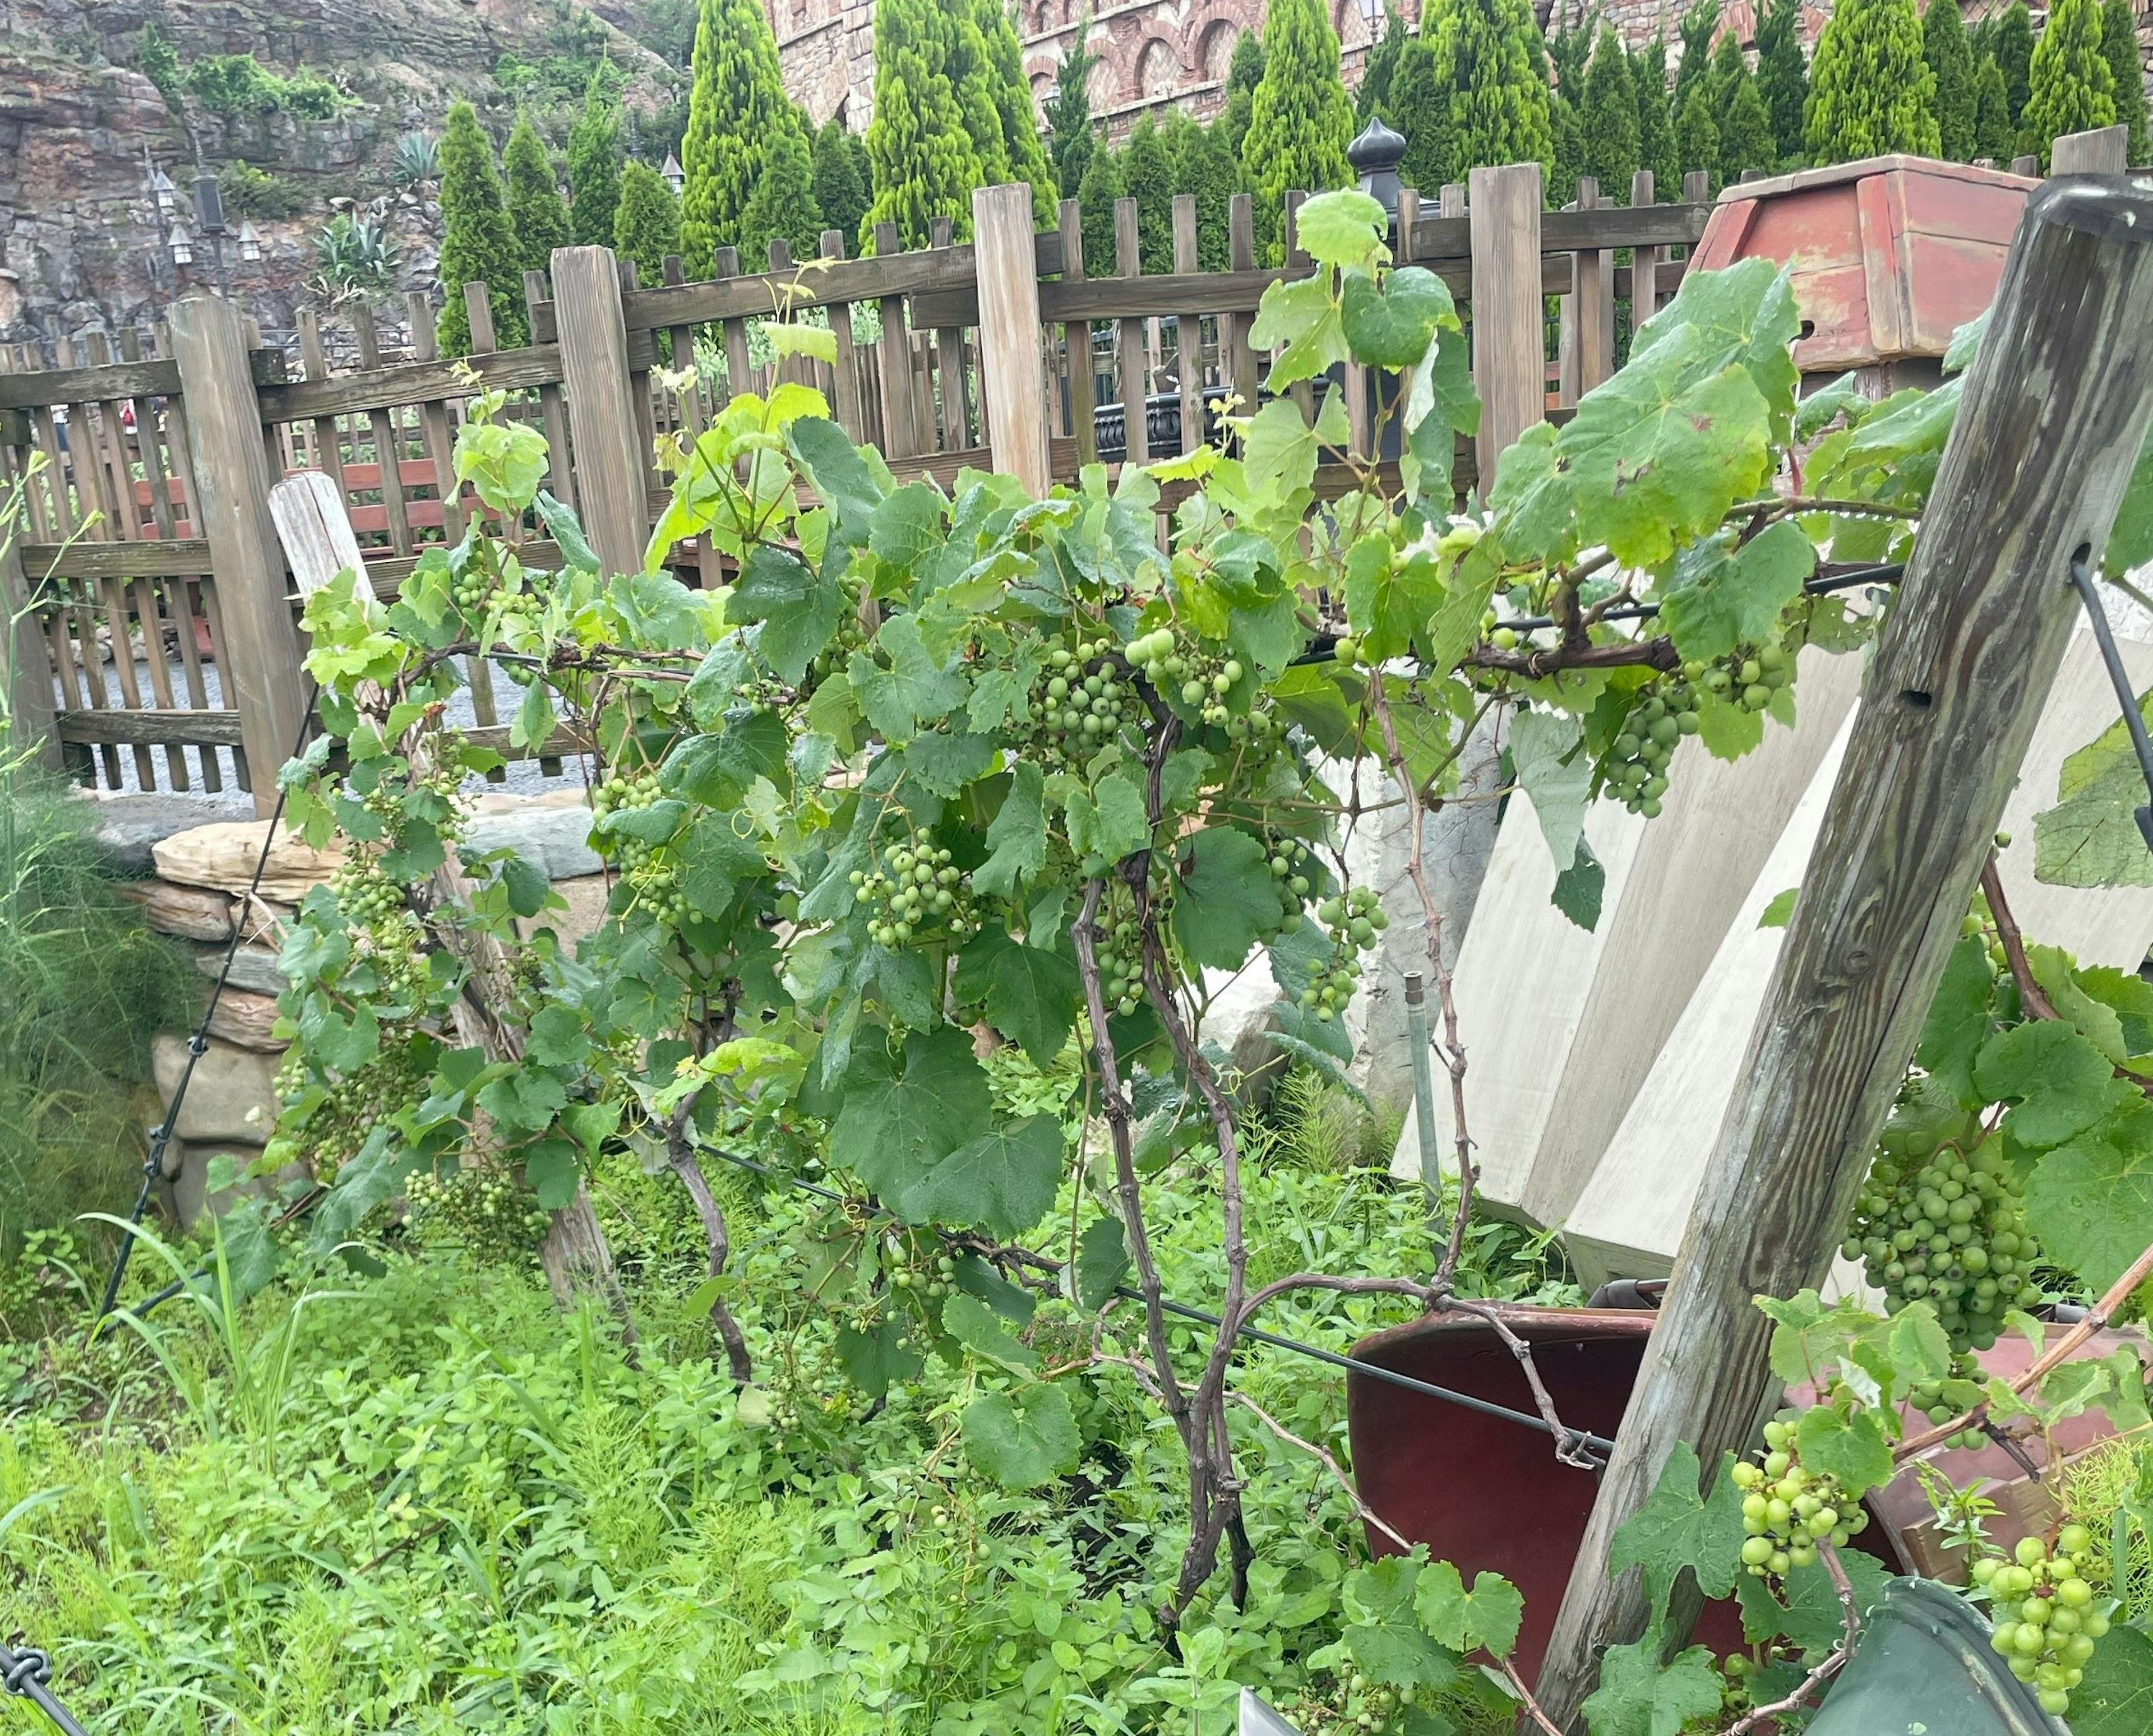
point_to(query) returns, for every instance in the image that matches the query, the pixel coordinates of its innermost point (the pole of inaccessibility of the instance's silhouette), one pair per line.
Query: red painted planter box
(1890, 255)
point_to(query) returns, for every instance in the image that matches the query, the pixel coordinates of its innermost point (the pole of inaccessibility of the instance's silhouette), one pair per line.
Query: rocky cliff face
(81, 249)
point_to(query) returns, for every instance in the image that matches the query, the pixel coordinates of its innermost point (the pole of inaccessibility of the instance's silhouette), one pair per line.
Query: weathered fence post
(602, 423)
(1510, 346)
(2104, 150)
(1012, 341)
(231, 498)
(26, 666)
(2055, 410)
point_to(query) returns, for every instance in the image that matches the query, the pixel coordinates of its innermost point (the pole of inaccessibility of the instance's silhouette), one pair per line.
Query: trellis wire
(25, 1673)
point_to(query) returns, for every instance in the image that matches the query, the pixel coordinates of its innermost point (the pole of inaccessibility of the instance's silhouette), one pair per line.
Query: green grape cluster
(916, 894)
(396, 1078)
(363, 893)
(1203, 679)
(651, 870)
(2044, 1610)
(1786, 1510)
(1635, 767)
(1748, 676)
(1358, 1704)
(1083, 698)
(1353, 921)
(475, 592)
(933, 1284)
(481, 1208)
(389, 936)
(1931, 1224)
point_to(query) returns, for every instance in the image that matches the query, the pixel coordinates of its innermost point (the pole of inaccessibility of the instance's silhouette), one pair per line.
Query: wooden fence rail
(164, 618)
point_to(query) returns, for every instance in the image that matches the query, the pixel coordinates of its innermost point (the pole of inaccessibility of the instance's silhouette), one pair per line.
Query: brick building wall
(1152, 53)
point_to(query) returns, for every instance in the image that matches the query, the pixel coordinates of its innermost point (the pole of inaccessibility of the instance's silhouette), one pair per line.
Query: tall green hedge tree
(1244, 72)
(840, 191)
(783, 206)
(2072, 89)
(1148, 177)
(478, 244)
(1206, 169)
(924, 158)
(1950, 58)
(1070, 136)
(737, 111)
(1870, 92)
(1697, 134)
(2009, 41)
(1373, 98)
(1095, 201)
(1993, 135)
(535, 210)
(1300, 119)
(1656, 122)
(1698, 27)
(1745, 129)
(594, 166)
(1420, 111)
(1782, 76)
(1608, 120)
(999, 71)
(1485, 54)
(2119, 41)
(646, 220)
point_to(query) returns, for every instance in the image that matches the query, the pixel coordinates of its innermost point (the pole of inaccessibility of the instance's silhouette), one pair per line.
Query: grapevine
(2046, 1615)
(1788, 1510)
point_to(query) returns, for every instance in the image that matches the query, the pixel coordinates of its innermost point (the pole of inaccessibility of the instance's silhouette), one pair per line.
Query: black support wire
(26, 1672)
(1597, 1443)
(2133, 719)
(160, 1135)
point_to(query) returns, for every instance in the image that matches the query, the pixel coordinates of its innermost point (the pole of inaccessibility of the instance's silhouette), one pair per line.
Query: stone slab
(223, 856)
(232, 1094)
(192, 913)
(247, 1020)
(126, 828)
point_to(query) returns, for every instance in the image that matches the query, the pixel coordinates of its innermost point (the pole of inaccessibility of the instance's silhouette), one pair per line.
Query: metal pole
(1423, 1072)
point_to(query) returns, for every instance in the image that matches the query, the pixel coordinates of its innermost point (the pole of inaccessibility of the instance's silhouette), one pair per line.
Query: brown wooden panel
(204, 728)
(1659, 225)
(118, 379)
(407, 382)
(186, 557)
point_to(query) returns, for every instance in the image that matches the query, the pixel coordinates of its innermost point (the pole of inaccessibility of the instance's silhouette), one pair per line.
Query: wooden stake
(1509, 347)
(601, 424)
(2055, 414)
(1012, 359)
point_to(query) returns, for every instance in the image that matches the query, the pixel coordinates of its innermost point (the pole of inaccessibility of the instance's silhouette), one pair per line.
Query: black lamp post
(1375, 156)
(209, 220)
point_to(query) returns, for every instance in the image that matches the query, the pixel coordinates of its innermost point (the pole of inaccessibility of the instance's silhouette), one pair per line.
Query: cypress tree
(2009, 40)
(1095, 201)
(840, 193)
(2072, 89)
(1944, 47)
(1300, 119)
(924, 159)
(1993, 135)
(1697, 134)
(1655, 124)
(1374, 96)
(1206, 167)
(535, 210)
(737, 110)
(1148, 176)
(1244, 72)
(1567, 55)
(477, 243)
(1870, 92)
(1069, 116)
(1745, 129)
(1420, 113)
(783, 206)
(1698, 26)
(1783, 77)
(1567, 129)
(1000, 71)
(594, 167)
(1485, 52)
(2119, 42)
(647, 220)
(1608, 120)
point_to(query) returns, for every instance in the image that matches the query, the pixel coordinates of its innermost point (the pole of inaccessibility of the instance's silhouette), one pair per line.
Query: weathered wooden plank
(144, 728)
(158, 378)
(1508, 344)
(1446, 237)
(357, 394)
(26, 668)
(2102, 150)
(1129, 340)
(609, 467)
(1077, 341)
(1012, 362)
(186, 557)
(2055, 414)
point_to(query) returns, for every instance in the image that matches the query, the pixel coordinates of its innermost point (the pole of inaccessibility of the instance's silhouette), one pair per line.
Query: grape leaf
(1391, 327)
(1022, 1438)
(1547, 749)
(1301, 321)
(2095, 1020)
(1744, 314)
(841, 476)
(1736, 598)
(550, 1167)
(1102, 1260)
(1389, 599)
(1780, 911)
(1002, 1182)
(1959, 1022)
(1488, 1615)
(2130, 541)
(797, 606)
(1386, 1636)
(1342, 228)
(2116, 1698)
(1811, 1616)
(1227, 898)
(903, 1114)
(944, 765)
(1850, 1448)
(872, 1359)
(918, 688)
(1017, 837)
(1030, 993)
(2091, 1200)
(972, 1323)
(906, 527)
(2062, 1082)
(1109, 820)
(1637, 1698)
(1678, 1528)
(1279, 452)
(1580, 888)
(2091, 838)
(789, 337)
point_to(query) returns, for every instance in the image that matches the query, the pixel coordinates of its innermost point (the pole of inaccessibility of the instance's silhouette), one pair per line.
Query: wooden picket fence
(154, 642)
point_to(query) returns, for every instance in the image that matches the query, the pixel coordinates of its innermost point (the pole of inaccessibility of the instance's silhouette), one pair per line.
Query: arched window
(1158, 70)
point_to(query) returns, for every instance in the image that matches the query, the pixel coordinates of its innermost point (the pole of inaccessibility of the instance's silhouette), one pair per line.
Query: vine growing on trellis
(939, 772)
